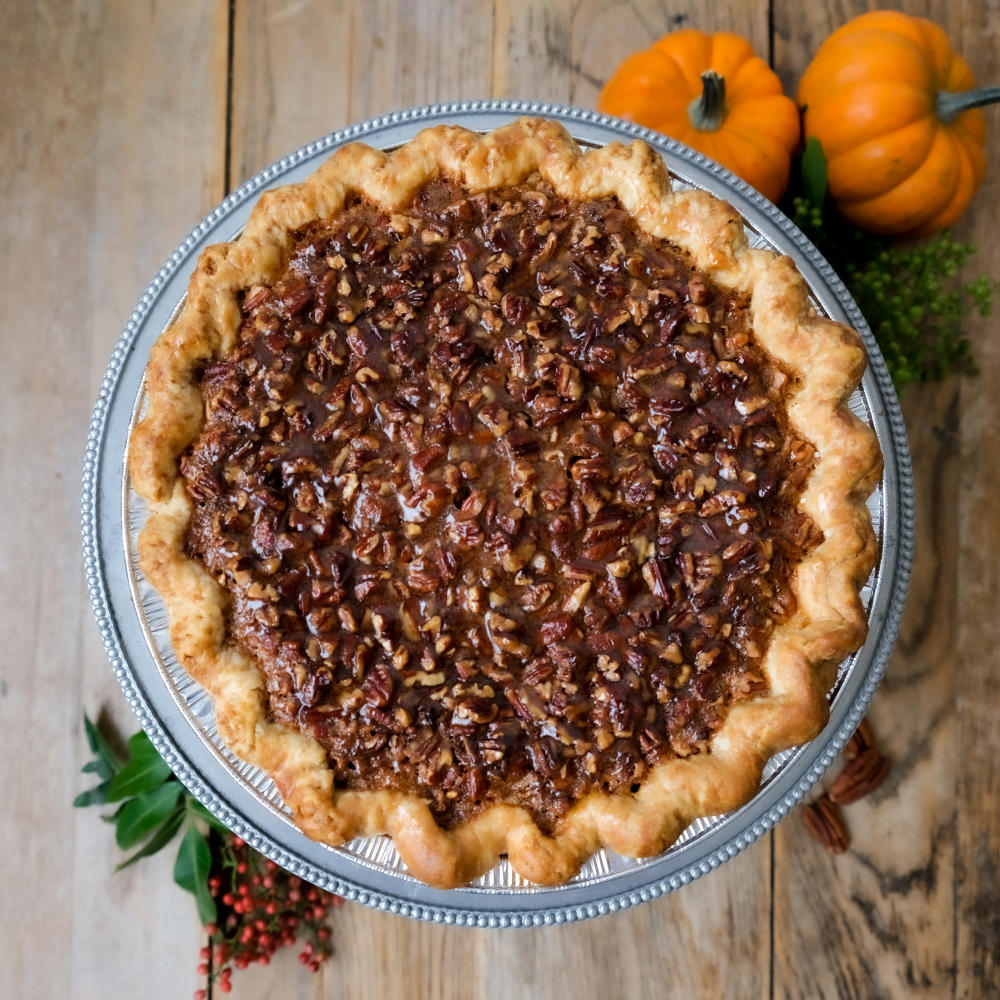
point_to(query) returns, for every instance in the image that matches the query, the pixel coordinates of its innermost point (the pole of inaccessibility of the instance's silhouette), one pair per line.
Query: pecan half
(860, 777)
(823, 820)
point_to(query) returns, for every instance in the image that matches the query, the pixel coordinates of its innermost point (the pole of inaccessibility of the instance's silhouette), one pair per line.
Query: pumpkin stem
(708, 112)
(950, 106)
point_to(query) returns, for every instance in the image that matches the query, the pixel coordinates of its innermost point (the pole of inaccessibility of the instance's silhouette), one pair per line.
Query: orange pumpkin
(889, 102)
(712, 93)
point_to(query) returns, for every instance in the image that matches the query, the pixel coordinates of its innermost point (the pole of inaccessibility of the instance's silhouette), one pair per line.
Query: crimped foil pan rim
(107, 574)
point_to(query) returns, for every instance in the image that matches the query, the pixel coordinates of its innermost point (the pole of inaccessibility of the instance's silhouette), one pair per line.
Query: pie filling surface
(504, 497)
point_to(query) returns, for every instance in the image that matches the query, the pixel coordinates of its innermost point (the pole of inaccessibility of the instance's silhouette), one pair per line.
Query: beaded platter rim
(108, 522)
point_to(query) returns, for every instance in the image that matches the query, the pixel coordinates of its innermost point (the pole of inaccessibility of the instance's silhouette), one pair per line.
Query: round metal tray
(178, 715)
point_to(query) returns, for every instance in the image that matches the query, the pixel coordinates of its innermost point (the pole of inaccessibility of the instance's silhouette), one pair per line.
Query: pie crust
(824, 360)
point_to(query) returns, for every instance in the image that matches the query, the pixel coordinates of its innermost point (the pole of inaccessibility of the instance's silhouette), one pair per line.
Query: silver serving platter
(178, 715)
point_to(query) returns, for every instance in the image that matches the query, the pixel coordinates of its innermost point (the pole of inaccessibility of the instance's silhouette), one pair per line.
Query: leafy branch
(154, 807)
(249, 906)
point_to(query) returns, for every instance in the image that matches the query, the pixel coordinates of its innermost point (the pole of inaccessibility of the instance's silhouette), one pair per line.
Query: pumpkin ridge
(690, 53)
(774, 134)
(888, 22)
(835, 163)
(749, 151)
(960, 76)
(764, 116)
(916, 212)
(751, 83)
(971, 123)
(868, 57)
(728, 53)
(936, 49)
(954, 208)
(974, 153)
(826, 119)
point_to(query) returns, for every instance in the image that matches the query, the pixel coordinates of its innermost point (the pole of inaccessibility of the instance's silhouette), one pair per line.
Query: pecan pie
(504, 500)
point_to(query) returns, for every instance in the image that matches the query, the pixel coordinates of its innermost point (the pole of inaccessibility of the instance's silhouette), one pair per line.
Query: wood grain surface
(125, 122)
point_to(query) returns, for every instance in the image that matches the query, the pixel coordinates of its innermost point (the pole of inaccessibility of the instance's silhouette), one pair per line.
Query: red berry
(242, 867)
(227, 899)
(225, 985)
(212, 928)
(202, 969)
(323, 933)
(264, 959)
(200, 995)
(304, 957)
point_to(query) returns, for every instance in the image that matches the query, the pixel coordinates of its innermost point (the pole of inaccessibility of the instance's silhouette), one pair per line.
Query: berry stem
(261, 907)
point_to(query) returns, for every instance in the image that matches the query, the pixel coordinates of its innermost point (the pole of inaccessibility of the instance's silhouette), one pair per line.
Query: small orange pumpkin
(712, 93)
(891, 105)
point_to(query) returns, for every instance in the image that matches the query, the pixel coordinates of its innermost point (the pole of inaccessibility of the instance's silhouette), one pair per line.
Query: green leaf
(144, 771)
(207, 911)
(100, 746)
(143, 814)
(194, 861)
(197, 809)
(98, 767)
(160, 839)
(95, 796)
(814, 171)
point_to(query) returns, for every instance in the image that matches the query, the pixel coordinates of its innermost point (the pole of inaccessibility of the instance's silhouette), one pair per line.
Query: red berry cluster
(261, 907)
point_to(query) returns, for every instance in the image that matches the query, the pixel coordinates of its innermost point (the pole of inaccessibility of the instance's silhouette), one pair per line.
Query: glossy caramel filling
(504, 496)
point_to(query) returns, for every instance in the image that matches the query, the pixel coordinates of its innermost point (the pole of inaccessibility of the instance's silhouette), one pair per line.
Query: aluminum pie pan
(178, 715)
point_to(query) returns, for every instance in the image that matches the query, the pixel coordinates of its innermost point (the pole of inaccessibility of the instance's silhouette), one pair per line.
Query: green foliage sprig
(250, 907)
(154, 807)
(911, 295)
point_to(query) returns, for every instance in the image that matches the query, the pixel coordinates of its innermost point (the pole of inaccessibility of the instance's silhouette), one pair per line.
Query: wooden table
(123, 123)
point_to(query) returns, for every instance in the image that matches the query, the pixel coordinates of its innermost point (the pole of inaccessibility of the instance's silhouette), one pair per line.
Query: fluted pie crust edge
(824, 359)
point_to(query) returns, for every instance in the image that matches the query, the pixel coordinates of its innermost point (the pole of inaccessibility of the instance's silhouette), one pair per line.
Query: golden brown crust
(825, 361)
